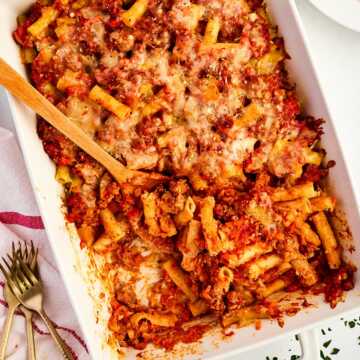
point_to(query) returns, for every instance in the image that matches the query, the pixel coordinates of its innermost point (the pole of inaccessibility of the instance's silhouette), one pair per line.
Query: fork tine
(5, 273)
(7, 265)
(32, 247)
(28, 273)
(21, 281)
(31, 253)
(13, 250)
(26, 253)
(14, 286)
(12, 260)
(23, 278)
(33, 263)
(19, 251)
(20, 275)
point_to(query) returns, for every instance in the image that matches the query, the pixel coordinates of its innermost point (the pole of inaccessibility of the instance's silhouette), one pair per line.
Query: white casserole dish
(65, 245)
(347, 14)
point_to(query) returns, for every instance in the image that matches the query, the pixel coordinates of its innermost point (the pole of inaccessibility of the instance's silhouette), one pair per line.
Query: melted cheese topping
(175, 85)
(199, 90)
(220, 113)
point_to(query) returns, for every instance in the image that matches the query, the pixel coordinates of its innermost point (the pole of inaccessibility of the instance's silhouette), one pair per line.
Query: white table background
(336, 51)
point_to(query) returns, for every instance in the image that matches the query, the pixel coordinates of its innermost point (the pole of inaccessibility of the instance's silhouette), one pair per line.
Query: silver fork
(13, 303)
(28, 289)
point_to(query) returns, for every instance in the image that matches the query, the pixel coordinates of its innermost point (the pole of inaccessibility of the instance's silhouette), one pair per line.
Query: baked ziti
(197, 91)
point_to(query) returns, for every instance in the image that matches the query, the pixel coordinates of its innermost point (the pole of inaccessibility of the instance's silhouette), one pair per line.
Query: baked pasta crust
(198, 91)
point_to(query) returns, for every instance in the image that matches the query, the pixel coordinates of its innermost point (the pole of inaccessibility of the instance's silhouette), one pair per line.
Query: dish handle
(309, 343)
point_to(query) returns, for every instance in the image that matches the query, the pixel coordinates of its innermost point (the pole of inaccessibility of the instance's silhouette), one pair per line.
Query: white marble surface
(336, 51)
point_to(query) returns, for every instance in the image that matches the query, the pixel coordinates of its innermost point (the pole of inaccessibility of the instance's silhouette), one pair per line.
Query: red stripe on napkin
(33, 222)
(75, 335)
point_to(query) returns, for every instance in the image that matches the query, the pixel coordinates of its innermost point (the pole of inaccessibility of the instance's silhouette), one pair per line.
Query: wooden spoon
(22, 90)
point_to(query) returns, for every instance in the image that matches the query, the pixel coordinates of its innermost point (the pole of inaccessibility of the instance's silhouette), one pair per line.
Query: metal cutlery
(28, 290)
(13, 303)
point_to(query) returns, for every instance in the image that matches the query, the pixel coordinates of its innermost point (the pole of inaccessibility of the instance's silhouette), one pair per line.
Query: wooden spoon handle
(22, 90)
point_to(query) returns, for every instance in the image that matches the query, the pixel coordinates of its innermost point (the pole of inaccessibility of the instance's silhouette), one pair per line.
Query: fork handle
(6, 331)
(31, 353)
(65, 350)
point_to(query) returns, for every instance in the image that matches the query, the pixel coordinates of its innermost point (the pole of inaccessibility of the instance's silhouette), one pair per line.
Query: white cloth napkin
(19, 219)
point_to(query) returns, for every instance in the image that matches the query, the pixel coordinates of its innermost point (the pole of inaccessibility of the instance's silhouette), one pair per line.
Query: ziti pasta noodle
(196, 91)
